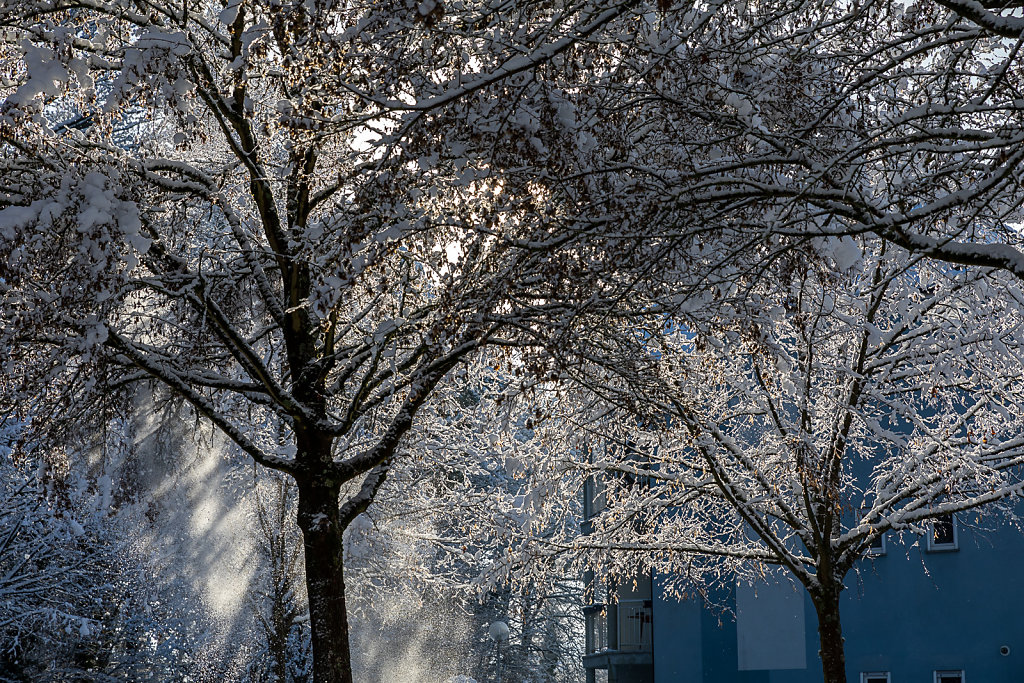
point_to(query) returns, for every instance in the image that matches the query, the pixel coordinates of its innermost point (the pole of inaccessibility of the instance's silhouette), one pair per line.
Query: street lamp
(498, 631)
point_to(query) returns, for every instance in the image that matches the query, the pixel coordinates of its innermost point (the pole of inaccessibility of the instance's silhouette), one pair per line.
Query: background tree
(52, 572)
(422, 604)
(279, 603)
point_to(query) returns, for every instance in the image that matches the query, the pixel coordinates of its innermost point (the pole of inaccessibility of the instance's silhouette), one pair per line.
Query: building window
(877, 547)
(595, 499)
(949, 677)
(943, 535)
(875, 677)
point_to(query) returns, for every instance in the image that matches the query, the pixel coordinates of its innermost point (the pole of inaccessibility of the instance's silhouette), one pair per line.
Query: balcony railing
(630, 624)
(634, 625)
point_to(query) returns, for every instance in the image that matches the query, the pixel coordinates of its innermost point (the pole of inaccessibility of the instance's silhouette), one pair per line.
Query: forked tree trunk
(325, 580)
(830, 633)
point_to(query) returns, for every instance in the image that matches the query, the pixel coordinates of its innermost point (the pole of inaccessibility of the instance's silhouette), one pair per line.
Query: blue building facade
(941, 609)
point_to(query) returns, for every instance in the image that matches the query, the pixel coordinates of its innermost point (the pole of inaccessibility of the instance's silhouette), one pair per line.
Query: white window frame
(866, 675)
(944, 547)
(877, 551)
(947, 672)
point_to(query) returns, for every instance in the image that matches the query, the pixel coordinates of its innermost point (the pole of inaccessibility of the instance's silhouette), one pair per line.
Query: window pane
(942, 534)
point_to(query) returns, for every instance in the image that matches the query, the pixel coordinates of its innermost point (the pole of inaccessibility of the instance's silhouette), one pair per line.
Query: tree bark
(830, 634)
(325, 580)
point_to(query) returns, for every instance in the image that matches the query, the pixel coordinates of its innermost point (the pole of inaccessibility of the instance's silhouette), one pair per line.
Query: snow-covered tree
(78, 599)
(285, 214)
(53, 564)
(318, 216)
(793, 422)
(735, 131)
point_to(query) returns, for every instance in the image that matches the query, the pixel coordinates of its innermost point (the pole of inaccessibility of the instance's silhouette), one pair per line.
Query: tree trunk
(830, 634)
(325, 580)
